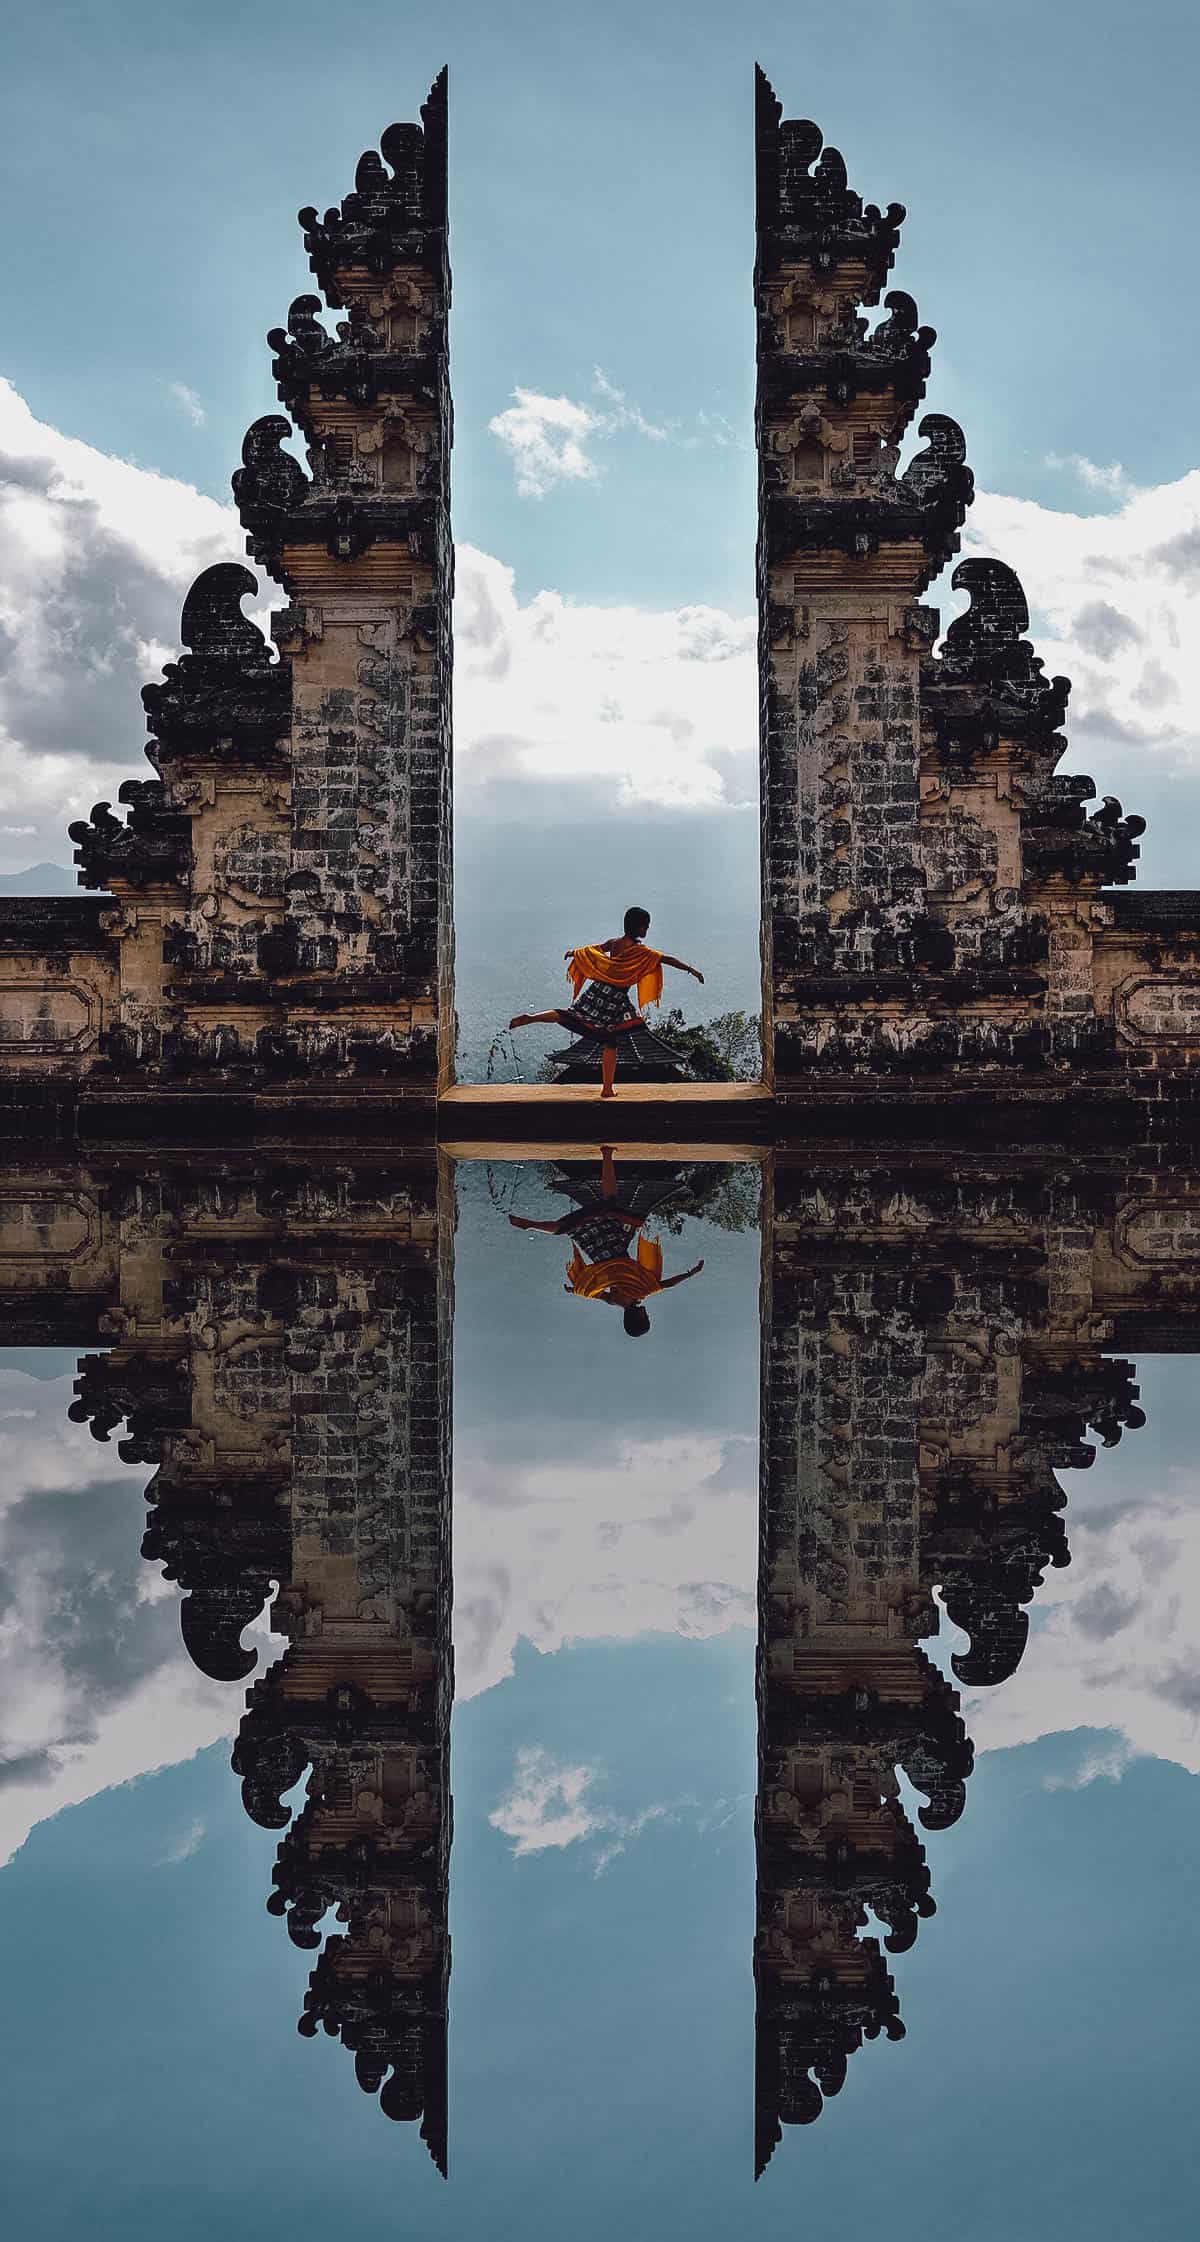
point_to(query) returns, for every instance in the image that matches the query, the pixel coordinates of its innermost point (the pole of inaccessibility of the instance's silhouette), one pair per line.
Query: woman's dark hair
(636, 922)
(636, 1321)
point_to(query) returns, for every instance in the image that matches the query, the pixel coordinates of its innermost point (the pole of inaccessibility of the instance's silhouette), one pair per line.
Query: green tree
(727, 1049)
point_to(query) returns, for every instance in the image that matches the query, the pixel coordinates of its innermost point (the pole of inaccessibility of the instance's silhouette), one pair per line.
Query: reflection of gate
(941, 1341)
(277, 1346)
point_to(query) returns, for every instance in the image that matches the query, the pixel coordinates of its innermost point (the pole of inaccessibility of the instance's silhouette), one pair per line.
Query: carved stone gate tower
(279, 907)
(939, 910)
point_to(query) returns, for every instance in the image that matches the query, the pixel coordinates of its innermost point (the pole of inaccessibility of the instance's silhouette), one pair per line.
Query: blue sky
(601, 2025)
(153, 159)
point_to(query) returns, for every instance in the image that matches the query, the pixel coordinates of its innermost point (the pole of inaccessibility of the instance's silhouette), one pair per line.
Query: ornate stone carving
(151, 848)
(398, 205)
(225, 696)
(269, 488)
(806, 207)
(1060, 838)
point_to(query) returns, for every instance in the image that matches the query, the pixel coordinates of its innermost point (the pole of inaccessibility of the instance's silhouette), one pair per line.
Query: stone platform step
(648, 1113)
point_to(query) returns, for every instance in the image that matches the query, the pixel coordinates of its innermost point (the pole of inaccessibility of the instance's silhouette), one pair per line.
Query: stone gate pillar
(278, 916)
(364, 960)
(845, 547)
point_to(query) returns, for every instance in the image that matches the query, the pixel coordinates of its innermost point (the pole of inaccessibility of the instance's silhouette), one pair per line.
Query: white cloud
(1104, 1763)
(95, 556)
(717, 428)
(95, 1685)
(571, 705)
(1115, 1642)
(640, 706)
(579, 709)
(1112, 481)
(547, 439)
(623, 413)
(631, 1536)
(547, 1805)
(1116, 603)
(182, 1847)
(622, 1831)
(190, 403)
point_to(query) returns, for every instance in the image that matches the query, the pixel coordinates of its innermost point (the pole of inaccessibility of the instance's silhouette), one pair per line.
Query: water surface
(648, 1946)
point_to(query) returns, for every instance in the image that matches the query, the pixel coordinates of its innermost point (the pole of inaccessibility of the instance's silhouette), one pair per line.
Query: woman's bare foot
(607, 1094)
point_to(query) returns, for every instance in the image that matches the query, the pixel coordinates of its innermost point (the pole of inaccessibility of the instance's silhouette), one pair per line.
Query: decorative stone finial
(987, 647)
(988, 683)
(806, 207)
(225, 695)
(397, 212)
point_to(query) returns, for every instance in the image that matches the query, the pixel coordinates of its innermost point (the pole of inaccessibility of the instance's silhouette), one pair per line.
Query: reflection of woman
(602, 974)
(611, 1262)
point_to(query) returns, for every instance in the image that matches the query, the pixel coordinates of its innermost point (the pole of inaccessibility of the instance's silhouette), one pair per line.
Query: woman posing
(602, 975)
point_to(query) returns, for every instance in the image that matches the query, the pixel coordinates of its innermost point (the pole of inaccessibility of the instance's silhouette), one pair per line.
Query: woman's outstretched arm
(680, 967)
(682, 1278)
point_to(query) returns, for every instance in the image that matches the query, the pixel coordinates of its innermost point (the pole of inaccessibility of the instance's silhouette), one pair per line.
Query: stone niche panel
(42, 1018)
(1162, 1232)
(249, 1379)
(960, 854)
(1159, 1008)
(39, 1227)
(252, 861)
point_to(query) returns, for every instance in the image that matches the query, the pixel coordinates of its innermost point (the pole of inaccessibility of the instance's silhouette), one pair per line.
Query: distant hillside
(40, 879)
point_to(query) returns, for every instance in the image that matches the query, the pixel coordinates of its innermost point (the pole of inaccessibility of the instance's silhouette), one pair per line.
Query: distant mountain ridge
(39, 879)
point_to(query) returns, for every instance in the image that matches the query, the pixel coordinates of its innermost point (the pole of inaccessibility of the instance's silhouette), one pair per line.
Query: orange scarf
(635, 963)
(631, 1281)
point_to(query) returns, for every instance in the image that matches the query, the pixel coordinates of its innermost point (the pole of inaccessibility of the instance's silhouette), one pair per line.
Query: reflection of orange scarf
(630, 1280)
(635, 963)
